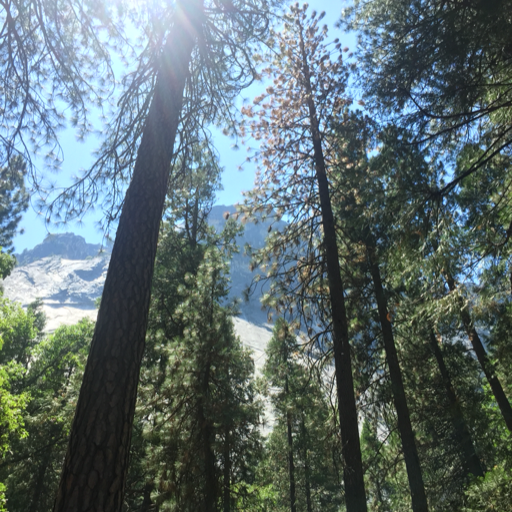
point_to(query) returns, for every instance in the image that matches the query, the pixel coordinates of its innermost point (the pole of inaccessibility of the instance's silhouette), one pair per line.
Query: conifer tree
(13, 199)
(95, 468)
(300, 449)
(307, 92)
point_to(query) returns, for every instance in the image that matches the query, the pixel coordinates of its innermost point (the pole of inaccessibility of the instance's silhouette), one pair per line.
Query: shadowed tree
(441, 69)
(95, 468)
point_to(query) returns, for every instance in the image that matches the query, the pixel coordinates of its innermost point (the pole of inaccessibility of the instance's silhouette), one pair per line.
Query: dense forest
(387, 384)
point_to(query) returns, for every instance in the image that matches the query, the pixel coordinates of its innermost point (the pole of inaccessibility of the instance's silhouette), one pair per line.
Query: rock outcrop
(67, 274)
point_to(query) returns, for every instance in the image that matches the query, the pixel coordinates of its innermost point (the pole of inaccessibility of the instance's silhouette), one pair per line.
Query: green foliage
(48, 386)
(11, 408)
(440, 69)
(13, 199)
(197, 437)
(490, 493)
(298, 398)
(7, 263)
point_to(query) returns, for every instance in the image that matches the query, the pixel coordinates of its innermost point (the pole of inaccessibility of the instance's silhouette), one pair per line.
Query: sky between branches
(78, 155)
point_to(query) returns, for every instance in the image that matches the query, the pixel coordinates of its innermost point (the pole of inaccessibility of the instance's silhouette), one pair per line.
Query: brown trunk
(412, 461)
(94, 473)
(469, 458)
(483, 359)
(353, 476)
(147, 502)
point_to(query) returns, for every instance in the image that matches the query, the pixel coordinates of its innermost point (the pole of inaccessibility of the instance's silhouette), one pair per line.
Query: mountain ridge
(67, 274)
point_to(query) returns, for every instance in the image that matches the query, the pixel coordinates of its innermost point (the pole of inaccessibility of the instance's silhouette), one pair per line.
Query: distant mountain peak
(65, 245)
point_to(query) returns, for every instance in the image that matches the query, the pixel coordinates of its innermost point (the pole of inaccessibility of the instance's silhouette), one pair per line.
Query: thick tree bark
(412, 461)
(353, 476)
(483, 359)
(95, 467)
(469, 458)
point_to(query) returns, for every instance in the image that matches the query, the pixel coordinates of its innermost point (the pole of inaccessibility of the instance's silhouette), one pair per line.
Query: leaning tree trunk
(95, 467)
(469, 458)
(353, 476)
(412, 461)
(483, 359)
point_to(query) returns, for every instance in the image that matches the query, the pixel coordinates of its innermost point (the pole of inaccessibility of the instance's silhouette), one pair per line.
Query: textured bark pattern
(412, 461)
(95, 467)
(483, 359)
(355, 496)
(469, 458)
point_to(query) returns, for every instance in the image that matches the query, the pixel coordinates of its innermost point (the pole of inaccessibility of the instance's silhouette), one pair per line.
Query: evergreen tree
(104, 415)
(13, 199)
(441, 70)
(292, 117)
(300, 449)
(198, 406)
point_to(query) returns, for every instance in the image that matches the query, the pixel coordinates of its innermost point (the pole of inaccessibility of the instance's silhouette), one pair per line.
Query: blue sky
(77, 155)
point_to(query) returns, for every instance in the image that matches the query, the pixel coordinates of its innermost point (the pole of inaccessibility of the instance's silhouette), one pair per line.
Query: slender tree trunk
(353, 476)
(483, 359)
(147, 502)
(94, 473)
(210, 489)
(412, 461)
(469, 458)
(291, 465)
(39, 483)
(227, 472)
(307, 469)
(207, 438)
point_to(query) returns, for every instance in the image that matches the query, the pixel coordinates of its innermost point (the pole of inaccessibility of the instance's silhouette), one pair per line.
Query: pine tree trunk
(291, 465)
(469, 458)
(353, 476)
(207, 436)
(227, 473)
(483, 359)
(307, 469)
(39, 483)
(95, 467)
(412, 461)
(210, 488)
(147, 502)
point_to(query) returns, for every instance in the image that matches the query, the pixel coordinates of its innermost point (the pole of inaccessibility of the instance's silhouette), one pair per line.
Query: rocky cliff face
(65, 245)
(67, 274)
